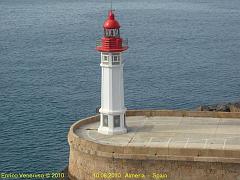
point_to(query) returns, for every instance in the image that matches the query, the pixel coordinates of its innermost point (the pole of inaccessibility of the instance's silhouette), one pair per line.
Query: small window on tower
(105, 59)
(117, 121)
(116, 60)
(105, 120)
(124, 120)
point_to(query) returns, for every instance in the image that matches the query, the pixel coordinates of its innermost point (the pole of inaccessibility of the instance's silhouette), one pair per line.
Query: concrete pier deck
(176, 144)
(171, 132)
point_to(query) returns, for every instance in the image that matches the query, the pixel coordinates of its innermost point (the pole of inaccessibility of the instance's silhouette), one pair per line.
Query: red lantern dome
(111, 42)
(111, 23)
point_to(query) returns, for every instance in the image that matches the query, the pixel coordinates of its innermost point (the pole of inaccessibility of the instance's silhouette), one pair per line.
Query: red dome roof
(111, 23)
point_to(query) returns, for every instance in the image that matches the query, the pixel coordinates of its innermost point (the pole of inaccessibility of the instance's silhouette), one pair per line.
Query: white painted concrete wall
(112, 94)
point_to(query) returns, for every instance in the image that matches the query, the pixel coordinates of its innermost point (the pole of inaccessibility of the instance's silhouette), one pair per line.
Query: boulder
(223, 107)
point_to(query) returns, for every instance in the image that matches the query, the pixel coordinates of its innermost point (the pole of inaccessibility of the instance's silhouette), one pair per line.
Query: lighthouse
(111, 46)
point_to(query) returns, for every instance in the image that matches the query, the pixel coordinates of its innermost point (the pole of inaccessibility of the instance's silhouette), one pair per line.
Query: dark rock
(224, 107)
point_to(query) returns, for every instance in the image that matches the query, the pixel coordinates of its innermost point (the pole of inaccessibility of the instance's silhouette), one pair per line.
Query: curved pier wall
(89, 160)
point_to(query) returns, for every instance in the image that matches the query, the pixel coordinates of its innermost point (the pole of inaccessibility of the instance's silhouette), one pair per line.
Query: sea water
(182, 54)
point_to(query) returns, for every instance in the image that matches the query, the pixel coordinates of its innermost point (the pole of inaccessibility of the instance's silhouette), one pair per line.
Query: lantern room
(111, 41)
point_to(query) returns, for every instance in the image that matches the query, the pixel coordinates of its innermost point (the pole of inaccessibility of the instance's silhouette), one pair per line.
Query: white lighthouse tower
(112, 111)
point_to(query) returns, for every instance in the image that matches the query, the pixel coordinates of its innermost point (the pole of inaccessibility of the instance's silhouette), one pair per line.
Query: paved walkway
(181, 132)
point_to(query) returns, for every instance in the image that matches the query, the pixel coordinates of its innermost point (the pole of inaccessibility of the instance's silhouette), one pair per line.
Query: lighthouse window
(117, 121)
(116, 60)
(105, 59)
(116, 32)
(105, 120)
(111, 32)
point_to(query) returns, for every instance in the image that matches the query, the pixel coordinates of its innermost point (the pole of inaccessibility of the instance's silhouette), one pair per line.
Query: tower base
(108, 131)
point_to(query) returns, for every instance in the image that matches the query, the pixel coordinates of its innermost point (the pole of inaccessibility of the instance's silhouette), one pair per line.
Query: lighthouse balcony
(112, 45)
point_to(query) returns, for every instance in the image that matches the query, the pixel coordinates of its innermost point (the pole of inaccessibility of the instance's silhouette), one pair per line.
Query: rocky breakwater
(223, 107)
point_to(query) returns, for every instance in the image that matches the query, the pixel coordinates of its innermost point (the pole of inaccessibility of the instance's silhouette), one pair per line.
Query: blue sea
(182, 54)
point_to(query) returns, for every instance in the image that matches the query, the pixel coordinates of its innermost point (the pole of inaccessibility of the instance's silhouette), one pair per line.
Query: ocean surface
(182, 53)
